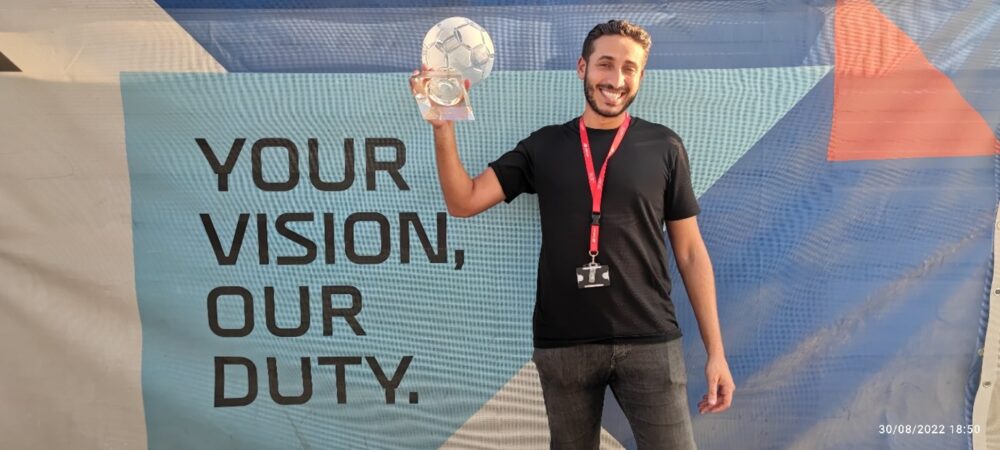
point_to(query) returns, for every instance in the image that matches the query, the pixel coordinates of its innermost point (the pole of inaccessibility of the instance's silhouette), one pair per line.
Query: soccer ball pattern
(461, 44)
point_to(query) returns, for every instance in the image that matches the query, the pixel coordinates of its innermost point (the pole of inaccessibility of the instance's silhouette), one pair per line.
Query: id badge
(593, 275)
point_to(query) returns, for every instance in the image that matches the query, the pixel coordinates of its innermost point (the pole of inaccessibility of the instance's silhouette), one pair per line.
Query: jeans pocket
(676, 370)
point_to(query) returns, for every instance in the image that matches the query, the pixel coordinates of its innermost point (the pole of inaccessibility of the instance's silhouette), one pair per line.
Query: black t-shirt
(648, 181)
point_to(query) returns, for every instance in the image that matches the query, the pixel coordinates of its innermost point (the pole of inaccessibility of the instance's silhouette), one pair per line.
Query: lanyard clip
(595, 218)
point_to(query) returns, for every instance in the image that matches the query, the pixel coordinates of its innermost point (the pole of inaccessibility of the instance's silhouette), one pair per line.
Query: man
(603, 315)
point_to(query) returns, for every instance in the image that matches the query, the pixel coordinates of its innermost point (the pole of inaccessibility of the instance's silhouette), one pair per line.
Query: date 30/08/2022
(927, 429)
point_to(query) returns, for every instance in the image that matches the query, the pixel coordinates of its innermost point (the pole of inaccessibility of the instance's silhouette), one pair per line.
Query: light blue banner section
(467, 330)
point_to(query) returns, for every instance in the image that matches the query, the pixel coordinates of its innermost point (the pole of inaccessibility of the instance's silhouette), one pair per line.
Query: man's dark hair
(620, 28)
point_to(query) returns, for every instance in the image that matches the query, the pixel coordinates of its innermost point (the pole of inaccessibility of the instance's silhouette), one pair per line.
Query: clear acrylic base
(441, 95)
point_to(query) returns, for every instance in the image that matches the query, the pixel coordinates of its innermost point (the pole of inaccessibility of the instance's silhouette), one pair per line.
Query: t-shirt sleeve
(679, 201)
(516, 171)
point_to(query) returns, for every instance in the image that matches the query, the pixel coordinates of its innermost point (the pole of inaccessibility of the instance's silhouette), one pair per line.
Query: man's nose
(616, 79)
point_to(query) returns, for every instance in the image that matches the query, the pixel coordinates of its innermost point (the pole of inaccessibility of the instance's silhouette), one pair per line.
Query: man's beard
(590, 90)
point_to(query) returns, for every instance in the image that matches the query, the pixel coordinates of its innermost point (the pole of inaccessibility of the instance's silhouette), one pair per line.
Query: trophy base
(441, 95)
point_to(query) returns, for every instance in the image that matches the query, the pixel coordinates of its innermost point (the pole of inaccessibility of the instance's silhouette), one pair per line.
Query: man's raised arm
(464, 196)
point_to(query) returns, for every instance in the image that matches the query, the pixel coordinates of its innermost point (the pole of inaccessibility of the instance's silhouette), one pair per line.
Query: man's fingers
(728, 391)
(705, 408)
(713, 388)
(703, 405)
(720, 390)
(720, 407)
(724, 401)
(727, 396)
(413, 81)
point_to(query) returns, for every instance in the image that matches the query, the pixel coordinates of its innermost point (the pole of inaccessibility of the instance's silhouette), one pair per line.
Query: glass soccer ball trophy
(454, 50)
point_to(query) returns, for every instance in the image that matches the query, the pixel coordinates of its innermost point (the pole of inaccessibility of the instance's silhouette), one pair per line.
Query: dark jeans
(648, 380)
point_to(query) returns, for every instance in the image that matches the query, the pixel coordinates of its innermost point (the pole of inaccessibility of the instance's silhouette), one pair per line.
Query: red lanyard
(597, 181)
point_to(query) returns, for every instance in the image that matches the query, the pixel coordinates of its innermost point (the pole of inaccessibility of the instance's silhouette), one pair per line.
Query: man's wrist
(716, 353)
(443, 126)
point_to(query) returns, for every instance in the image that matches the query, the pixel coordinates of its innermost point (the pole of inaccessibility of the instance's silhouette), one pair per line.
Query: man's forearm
(699, 279)
(456, 185)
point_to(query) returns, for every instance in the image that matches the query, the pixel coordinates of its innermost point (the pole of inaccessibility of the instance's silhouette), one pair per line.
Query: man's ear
(581, 67)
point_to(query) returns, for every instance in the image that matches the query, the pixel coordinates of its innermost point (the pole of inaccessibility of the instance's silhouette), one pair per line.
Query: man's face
(612, 74)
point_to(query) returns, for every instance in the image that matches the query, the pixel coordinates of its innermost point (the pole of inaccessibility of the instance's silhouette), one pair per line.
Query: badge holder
(593, 275)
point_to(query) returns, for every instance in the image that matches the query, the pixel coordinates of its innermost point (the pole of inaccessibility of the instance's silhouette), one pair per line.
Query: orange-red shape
(889, 101)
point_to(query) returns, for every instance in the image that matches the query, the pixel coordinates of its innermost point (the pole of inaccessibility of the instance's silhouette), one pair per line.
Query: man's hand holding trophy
(456, 54)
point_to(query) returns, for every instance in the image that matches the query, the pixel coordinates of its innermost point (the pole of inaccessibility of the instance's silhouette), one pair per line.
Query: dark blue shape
(959, 40)
(833, 268)
(271, 36)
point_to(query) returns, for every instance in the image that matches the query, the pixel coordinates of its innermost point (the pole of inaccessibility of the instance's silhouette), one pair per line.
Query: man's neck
(593, 120)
